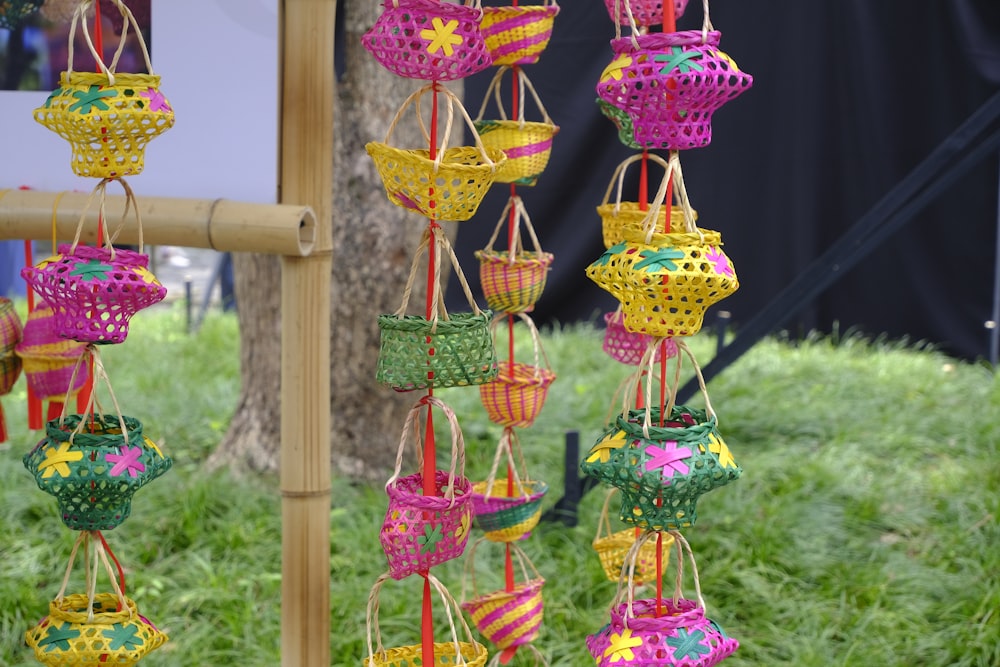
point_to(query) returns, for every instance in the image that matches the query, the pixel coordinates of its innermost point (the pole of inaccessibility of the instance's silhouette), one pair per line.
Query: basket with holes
(11, 332)
(612, 547)
(507, 509)
(643, 12)
(516, 396)
(49, 359)
(517, 35)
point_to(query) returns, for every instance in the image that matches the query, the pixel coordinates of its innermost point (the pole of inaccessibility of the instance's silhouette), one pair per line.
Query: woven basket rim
(633, 424)
(536, 491)
(448, 161)
(455, 322)
(526, 126)
(528, 588)
(123, 80)
(66, 609)
(673, 239)
(523, 9)
(525, 375)
(472, 652)
(524, 258)
(659, 40)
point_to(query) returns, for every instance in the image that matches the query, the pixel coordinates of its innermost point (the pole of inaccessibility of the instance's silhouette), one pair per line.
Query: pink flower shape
(670, 459)
(157, 102)
(720, 262)
(127, 461)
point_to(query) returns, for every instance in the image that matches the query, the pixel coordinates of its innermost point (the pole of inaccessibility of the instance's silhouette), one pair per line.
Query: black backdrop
(848, 96)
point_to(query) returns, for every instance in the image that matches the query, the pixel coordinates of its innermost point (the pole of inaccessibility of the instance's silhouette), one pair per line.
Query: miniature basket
(455, 653)
(13, 13)
(620, 216)
(421, 531)
(623, 123)
(663, 469)
(627, 347)
(642, 12)
(668, 632)
(516, 396)
(429, 39)
(670, 84)
(94, 463)
(93, 628)
(666, 282)
(447, 185)
(108, 118)
(96, 291)
(506, 618)
(11, 332)
(508, 509)
(613, 547)
(518, 35)
(513, 281)
(49, 359)
(448, 351)
(527, 144)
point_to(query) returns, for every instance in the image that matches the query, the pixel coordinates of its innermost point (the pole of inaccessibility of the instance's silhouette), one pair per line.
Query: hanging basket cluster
(517, 35)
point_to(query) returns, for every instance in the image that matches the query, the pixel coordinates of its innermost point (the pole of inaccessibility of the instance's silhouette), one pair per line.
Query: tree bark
(374, 242)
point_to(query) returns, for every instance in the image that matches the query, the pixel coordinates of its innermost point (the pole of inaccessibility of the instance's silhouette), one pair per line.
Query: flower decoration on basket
(527, 144)
(517, 35)
(513, 281)
(464, 651)
(670, 85)
(444, 350)
(516, 396)
(628, 347)
(512, 618)
(645, 13)
(421, 531)
(13, 13)
(619, 216)
(448, 184)
(93, 628)
(94, 463)
(508, 509)
(433, 40)
(613, 547)
(108, 118)
(672, 632)
(666, 282)
(95, 291)
(663, 465)
(49, 359)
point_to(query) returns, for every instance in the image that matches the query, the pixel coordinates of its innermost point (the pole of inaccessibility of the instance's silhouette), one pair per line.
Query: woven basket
(11, 332)
(506, 618)
(623, 123)
(438, 351)
(428, 39)
(455, 653)
(627, 347)
(508, 509)
(642, 12)
(49, 359)
(513, 281)
(613, 547)
(448, 186)
(670, 84)
(527, 144)
(108, 118)
(518, 35)
(668, 632)
(421, 531)
(516, 396)
(618, 217)
(13, 13)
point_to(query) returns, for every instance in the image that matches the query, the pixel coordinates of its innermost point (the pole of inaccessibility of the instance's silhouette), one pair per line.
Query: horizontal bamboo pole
(228, 226)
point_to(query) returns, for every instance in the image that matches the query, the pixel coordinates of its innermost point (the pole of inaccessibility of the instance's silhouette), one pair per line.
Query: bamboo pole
(194, 223)
(306, 175)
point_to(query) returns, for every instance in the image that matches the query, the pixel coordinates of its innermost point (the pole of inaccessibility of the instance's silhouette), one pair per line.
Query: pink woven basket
(670, 84)
(644, 12)
(11, 331)
(629, 347)
(429, 39)
(421, 531)
(49, 359)
(518, 35)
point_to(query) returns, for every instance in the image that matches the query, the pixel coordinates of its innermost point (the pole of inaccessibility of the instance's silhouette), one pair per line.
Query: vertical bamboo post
(306, 35)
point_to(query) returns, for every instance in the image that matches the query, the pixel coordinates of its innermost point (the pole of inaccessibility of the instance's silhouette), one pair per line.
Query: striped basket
(613, 547)
(11, 331)
(516, 396)
(518, 35)
(49, 359)
(506, 618)
(527, 144)
(508, 509)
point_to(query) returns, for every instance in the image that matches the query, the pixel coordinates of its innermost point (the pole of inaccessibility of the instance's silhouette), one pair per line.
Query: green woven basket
(417, 353)
(94, 473)
(662, 470)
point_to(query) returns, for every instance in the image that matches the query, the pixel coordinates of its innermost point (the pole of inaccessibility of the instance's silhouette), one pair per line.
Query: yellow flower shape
(614, 69)
(146, 276)
(621, 646)
(56, 459)
(725, 56)
(463, 527)
(602, 450)
(719, 448)
(152, 445)
(442, 37)
(48, 260)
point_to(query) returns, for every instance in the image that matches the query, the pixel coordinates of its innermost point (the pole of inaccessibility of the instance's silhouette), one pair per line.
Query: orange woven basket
(516, 396)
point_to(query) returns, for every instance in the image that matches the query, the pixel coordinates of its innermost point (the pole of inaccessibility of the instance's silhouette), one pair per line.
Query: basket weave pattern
(518, 35)
(516, 396)
(49, 359)
(508, 518)
(513, 285)
(509, 618)
(628, 347)
(11, 331)
(645, 12)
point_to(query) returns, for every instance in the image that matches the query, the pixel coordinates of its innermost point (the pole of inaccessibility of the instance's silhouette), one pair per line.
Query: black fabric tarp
(848, 96)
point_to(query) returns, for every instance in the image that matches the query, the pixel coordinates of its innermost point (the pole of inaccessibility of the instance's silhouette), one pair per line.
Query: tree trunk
(374, 242)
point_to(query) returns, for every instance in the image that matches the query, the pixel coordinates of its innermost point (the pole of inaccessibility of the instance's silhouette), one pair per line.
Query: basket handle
(619, 177)
(508, 443)
(629, 385)
(536, 341)
(80, 16)
(631, 21)
(524, 563)
(647, 361)
(626, 584)
(451, 609)
(675, 175)
(90, 573)
(604, 521)
(523, 82)
(100, 191)
(521, 215)
(456, 469)
(706, 22)
(90, 352)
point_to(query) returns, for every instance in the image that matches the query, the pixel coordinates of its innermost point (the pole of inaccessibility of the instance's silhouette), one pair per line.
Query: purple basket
(669, 85)
(94, 292)
(645, 12)
(628, 347)
(429, 40)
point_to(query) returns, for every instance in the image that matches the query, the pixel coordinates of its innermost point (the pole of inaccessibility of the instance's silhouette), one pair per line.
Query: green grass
(864, 530)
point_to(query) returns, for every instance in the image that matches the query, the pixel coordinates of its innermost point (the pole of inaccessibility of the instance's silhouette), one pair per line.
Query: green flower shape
(679, 59)
(659, 260)
(92, 270)
(432, 535)
(86, 101)
(58, 638)
(123, 636)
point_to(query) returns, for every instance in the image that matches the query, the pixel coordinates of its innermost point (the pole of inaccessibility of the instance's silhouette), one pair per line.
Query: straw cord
(470, 568)
(539, 351)
(80, 16)
(441, 241)
(516, 245)
(522, 83)
(98, 373)
(604, 521)
(673, 178)
(629, 386)
(495, 660)
(90, 573)
(101, 189)
(626, 584)
(412, 424)
(55, 213)
(509, 442)
(648, 361)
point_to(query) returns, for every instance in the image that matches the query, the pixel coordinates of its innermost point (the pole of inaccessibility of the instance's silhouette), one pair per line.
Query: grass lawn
(864, 530)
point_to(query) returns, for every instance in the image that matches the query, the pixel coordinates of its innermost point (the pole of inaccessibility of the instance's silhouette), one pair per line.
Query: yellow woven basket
(107, 118)
(518, 35)
(613, 547)
(527, 144)
(448, 186)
